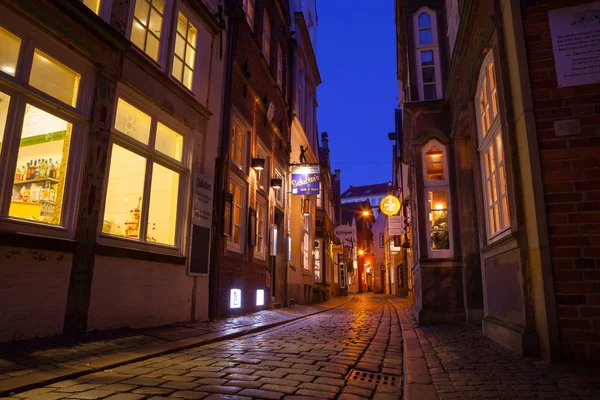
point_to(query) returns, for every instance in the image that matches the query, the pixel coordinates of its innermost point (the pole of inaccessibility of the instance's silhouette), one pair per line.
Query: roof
(355, 210)
(367, 190)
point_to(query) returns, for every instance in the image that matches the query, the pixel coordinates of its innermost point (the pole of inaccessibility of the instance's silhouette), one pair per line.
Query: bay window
(427, 54)
(44, 105)
(148, 173)
(147, 26)
(491, 151)
(437, 200)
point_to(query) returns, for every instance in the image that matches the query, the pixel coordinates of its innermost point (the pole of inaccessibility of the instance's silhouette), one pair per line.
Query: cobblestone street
(351, 352)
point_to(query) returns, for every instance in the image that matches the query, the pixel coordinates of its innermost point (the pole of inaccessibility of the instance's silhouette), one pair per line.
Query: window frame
(261, 204)
(104, 9)
(240, 131)
(192, 19)
(487, 140)
(22, 93)
(249, 18)
(434, 47)
(163, 41)
(231, 245)
(437, 186)
(266, 37)
(151, 155)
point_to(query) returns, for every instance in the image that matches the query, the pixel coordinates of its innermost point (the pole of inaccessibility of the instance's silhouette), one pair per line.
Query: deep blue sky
(357, 59)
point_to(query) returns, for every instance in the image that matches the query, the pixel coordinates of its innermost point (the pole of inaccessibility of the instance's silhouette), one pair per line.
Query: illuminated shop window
(54, 78)
(184, 57)
(9, 52)
(39, 138)
(146, 27)
(145, 182)
(260, 297)
(235, 298)
(491, 151)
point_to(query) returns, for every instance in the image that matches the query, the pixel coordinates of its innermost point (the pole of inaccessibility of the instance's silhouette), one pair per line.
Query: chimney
(337, 174)
(325, 140)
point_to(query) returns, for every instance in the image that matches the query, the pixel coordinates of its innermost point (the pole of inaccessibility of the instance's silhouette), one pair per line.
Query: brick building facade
(502, 150)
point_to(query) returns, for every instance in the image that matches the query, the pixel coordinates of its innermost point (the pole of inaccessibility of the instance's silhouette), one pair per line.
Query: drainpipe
(221, 165)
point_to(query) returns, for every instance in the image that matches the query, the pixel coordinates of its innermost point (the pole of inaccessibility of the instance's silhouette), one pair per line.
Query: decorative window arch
(437, 200)
(427, 54)
(491, 151)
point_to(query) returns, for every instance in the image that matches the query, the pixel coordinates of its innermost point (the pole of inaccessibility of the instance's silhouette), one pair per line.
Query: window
(427, 55)
(99, 7)
(249, 9)
(279, 192)
(317, 260)
(238, 189)
(381, 240)
(147, 176)
(266, 47)
(436, 185)
(279, 67)
(40, 141)
(261, 216)
(184, 57)
(237, 146)
(261, 175)
(491, 150)
(320, 196)
(147, 26)
(452, 21)
(306, 244)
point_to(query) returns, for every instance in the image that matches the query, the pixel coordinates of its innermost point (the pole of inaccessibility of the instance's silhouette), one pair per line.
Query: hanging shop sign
(396, 225)
(306, 180)
(344, 232)
(390, 205)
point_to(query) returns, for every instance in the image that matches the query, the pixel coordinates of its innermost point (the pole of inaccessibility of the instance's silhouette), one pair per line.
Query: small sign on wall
(576, 43)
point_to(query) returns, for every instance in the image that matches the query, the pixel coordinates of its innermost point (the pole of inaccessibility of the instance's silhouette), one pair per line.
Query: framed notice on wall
(576, 43)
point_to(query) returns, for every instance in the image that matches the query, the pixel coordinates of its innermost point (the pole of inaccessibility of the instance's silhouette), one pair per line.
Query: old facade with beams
(490, 170)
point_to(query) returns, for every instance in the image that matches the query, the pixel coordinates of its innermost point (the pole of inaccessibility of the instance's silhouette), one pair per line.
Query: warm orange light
(365, 213)
(361, 252)
(439, 206)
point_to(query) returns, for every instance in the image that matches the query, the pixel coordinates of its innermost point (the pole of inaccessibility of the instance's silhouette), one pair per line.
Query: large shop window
(147, 26)
(42, 125)
(437, 198)
(491, 151)
(146, 189)
(427, 54)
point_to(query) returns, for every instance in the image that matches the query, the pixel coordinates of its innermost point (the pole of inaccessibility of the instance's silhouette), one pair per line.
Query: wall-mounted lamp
(276, 183)
(306, 207)
(258, 164)
(361, 252)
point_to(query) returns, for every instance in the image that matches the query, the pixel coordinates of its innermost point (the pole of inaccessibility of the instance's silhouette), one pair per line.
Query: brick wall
(571, 179)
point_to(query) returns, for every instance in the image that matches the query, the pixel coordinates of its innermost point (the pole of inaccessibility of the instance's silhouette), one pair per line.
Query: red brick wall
(571, 178)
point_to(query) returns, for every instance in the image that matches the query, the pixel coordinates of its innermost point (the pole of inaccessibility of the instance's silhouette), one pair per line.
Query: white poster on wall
(576, 43)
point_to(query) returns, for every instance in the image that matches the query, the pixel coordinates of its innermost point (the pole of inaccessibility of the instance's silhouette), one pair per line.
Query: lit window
(4, 103)
(260, 297)
(279, 67)
(249, 9)
(279, 192)
(234, 241)
(144, 182)
(434, 164)
(237, 146)
(492, 152)
(317, 260)
(185, 51)
(93, 5)
(54, 78)
(147, 26)
(41, 167)
(266, 48)
(437, 206)
(9, 52)
(261, 213)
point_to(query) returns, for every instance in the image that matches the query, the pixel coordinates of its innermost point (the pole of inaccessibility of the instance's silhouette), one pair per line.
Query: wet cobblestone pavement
(306, 359)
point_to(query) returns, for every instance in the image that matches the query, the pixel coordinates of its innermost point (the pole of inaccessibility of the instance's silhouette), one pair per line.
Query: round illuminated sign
(390, 205)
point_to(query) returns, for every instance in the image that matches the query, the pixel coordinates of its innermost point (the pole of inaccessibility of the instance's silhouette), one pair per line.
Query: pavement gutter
(418, 384)
(140, 353)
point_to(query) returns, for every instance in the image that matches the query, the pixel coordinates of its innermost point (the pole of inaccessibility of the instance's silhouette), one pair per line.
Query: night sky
(357, 59)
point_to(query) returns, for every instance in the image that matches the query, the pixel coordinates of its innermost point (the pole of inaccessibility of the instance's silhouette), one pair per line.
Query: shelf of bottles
(35, 183)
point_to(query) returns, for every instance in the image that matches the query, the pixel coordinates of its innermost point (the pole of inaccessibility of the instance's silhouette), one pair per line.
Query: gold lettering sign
(390, 205)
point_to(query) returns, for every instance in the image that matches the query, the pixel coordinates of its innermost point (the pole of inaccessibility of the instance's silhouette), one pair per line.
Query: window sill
(40, 242)
(111, 250)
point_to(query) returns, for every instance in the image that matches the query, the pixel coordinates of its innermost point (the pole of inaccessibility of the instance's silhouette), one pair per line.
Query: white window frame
(434, 47)
(244, 129)
(279, 67)
(192, 19)
(21, 93)
(104, 9)
(261, 205)
(488, 139)
(151, 156)
(232, 246)
(250, 8)
(279, 194)
(264, 174)
(437, 186)
(266, 37)
(164, 36)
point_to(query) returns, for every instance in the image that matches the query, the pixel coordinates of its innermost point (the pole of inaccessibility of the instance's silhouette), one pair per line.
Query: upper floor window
(237, 146)
(279, 192)
(147, 26)
(266, 42)
(427, 58)
(99, 7)
(184, 57)
(279, 67)
(249, 9)
(261, 219)
(44, 106)
(237, 188)
(491, 150)
(437, 197)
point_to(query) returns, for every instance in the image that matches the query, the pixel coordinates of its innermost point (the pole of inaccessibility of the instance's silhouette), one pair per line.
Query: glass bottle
(50, 169)
(43, 169)
(36, 170)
